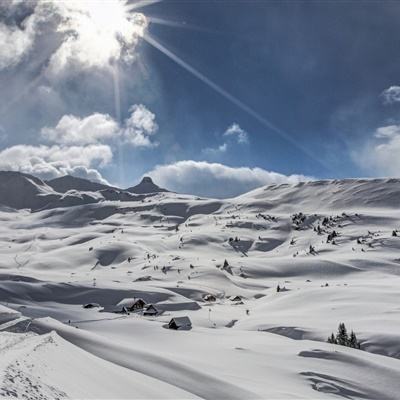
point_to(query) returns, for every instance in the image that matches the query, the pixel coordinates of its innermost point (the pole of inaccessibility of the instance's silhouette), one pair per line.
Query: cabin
(180, 323)
(131, 304)
(150, 310)
(209, 297)
(235, 298)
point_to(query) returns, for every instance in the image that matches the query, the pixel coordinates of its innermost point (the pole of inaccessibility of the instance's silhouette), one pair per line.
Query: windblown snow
(81, 263)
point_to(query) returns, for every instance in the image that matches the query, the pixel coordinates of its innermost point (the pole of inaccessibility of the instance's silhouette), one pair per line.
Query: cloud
(391, 95)
(216, 180)
(15, 41)
(236, 131)
(214, 151)
(139, 127)
(49, 162)
(95, 35)
(90, 33)
(136, 130)
(380, 155)
(74, 130)
(81, 145)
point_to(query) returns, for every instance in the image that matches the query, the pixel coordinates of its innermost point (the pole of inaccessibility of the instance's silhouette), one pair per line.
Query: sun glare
(113, 17)
(99, 32)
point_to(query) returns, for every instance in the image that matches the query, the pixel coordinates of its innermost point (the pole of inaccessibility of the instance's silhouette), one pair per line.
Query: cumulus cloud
(380, 155)
(140, 126)
(75, 130)
(214, 151)
(391, 95)
(81, 145)
(236, 131)
(95, 35)
(91, 33)
(216, 180)
(234, 134)
(15, 41)
(49, 162)
(136, 130)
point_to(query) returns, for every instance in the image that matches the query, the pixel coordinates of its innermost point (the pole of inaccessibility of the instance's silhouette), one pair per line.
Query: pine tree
(353, 341)
(342, 337)
(332, 339)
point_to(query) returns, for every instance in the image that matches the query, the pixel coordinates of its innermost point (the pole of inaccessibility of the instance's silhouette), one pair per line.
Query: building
(150, 310)
(236, 298)
(131, 304)
(180, 323)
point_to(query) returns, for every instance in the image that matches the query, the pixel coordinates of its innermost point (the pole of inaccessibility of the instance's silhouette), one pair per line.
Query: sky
(208, 97)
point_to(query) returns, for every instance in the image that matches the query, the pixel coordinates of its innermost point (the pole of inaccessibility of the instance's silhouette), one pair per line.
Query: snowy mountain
(18, 190)
(326, 195)
(68, 182)
(331, 247)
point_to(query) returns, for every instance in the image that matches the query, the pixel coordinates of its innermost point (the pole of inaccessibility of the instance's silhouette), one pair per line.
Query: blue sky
(242, 93)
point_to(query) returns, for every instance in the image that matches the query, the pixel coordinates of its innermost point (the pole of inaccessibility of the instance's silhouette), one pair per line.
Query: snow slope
(170, 250)
(68, 182)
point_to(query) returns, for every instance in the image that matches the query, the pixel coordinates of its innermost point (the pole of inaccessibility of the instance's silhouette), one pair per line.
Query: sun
(97, 33)
(113, 17)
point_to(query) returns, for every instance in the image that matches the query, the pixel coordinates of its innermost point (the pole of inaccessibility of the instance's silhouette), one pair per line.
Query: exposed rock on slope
(146, 186)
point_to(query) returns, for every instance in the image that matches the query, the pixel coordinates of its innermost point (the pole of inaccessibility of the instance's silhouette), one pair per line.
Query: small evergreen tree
(342, 337)
(332, 339)
(353, 341)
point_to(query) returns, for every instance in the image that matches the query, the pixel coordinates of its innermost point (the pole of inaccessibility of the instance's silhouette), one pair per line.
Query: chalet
(131, 304)
(150, 310)
(180, 323)
(209, 297)
(235, 298)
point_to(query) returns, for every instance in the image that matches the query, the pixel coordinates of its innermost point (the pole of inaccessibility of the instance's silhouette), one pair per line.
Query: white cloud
(238, 132)
(235, 135)
(391, 95)
(140, 126)
(96, 33)
(380, 155)
(16, 41)
(74, 130)
(216, 180)
(136, 130)
(49, 162)
(214, 151)
(92, 33)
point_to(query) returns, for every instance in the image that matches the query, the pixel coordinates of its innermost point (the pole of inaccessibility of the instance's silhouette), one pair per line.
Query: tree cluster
(342, 338)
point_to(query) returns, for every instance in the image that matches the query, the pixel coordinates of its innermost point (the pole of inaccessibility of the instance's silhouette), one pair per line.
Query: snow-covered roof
(129, 301)
(181, 321)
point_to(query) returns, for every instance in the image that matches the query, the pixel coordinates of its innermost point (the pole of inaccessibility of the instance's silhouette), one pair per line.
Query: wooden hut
(180, 323)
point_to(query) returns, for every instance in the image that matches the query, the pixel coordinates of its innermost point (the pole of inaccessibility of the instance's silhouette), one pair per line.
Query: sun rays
(234, 100)
(105, 34)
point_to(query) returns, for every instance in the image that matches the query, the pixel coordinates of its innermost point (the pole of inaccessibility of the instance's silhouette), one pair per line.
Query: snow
(169, 250)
